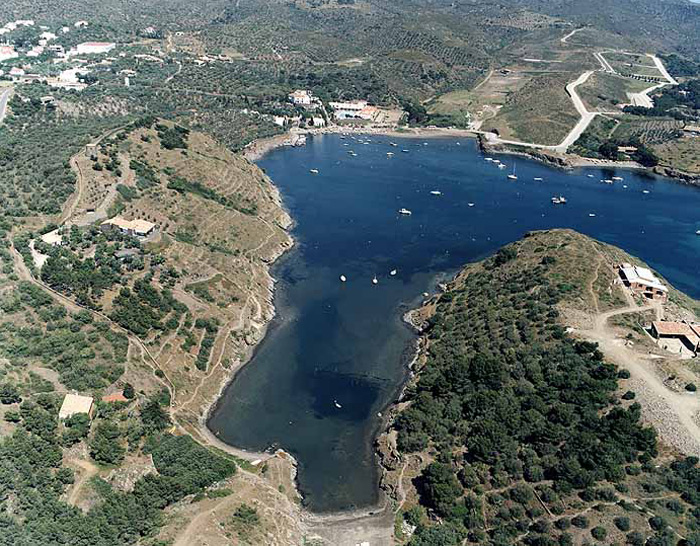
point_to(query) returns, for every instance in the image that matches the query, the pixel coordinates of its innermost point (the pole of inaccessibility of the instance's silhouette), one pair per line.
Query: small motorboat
(559, 200)
(335, 402)
(591, 215)
(489, 159)
(405, 212)
(697, 232)
(343, 278)
(618, 178)
(314, 171)
(404, 151)
(624, 186)
(470, 204)
(501, 165)
(390, 154)
(393, 272)
(607, 181)
(375, 280)
(393, 144)
(435, 192)
(538, 179)
(645, 191)
(590, 176)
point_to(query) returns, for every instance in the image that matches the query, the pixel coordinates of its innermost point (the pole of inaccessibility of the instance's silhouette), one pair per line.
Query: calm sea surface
(335, 356)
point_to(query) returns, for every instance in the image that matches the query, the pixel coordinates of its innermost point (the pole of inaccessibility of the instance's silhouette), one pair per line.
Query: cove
(335, 356)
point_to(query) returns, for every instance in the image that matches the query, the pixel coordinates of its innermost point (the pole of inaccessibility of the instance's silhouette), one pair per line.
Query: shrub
(580, 521)
(622, 523)
(599, 533)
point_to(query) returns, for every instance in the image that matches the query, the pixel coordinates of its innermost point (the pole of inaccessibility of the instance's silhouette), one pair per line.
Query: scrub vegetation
(528, 438)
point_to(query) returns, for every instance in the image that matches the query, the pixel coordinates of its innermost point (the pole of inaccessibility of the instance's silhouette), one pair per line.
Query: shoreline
(258, 149)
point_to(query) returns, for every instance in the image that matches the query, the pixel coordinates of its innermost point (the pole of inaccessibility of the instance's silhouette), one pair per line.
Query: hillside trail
(89, 470)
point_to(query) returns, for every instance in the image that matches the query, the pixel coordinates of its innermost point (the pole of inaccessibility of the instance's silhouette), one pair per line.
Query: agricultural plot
(649, 131)
(605, 92)
(633, 64)
(682, 154)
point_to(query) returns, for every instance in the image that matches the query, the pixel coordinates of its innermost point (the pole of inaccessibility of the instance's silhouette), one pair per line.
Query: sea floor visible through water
(336, 354)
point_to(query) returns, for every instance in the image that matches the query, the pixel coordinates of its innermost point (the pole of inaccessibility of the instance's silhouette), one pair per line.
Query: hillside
(519, 430)
(149, 327)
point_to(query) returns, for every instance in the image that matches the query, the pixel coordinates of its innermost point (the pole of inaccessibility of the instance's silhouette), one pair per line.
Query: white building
(7, 52)
(140, 228)
(643, 281)
(80, 24)
(348, 109)
(301, 97)
(88, 48)
(74, 404)
(53, 238)
(35, 51)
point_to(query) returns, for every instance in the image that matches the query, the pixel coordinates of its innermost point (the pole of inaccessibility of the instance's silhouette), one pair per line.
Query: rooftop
(74, 404)
(138, 226)
(642, 275)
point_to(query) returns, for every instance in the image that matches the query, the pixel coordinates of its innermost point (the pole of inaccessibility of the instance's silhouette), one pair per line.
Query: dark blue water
(345, 343)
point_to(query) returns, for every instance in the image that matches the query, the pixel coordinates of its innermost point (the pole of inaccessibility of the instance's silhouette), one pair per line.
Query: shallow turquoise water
(335, 344)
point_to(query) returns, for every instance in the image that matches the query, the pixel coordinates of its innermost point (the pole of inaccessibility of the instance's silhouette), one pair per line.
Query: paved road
(643, 98)
(574, 134)
(4, 98)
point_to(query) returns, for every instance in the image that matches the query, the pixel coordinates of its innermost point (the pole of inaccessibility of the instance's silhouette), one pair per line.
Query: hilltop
(518, 428)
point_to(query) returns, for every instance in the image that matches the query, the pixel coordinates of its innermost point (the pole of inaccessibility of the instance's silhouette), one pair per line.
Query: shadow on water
(335, 355)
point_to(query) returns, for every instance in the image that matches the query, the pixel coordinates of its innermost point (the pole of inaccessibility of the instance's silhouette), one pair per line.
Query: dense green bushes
(506, 397)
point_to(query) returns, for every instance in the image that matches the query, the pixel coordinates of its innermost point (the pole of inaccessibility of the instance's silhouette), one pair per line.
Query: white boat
(375, 280)
(393, 144)
(607, 181)
(343, 278)
(697, 232)
(591, 215)
(405, 151)
(314, 171)
(336, 404)
(435, 192)
(645, 191)
(390, 154)
(513, 176)
(353, 154)
(625, 186)
(501, 165)
(538, 179)
(560, 200)
(590, 176)
(470, 204)
(405, 212)
(392, 272)
(489, 159)
(618, 178)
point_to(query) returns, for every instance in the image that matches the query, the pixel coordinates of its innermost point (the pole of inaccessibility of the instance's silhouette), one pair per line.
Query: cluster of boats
(375, 280)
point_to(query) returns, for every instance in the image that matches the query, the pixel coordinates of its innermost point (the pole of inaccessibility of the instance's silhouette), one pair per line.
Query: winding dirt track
(678, 411)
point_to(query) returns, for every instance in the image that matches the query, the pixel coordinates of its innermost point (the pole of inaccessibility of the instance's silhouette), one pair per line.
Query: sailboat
(513, 176)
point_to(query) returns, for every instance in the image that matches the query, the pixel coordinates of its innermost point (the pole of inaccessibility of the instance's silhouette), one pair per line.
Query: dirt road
(673, 414)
